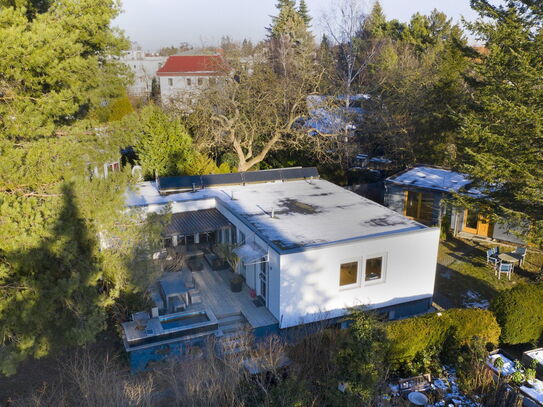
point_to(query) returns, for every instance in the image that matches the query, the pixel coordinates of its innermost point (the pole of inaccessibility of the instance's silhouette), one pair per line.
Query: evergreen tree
(376, 24)
(303, 10)
(290, 43)
(502, 135)
(57, 65)
(164, 146)
(58, 62)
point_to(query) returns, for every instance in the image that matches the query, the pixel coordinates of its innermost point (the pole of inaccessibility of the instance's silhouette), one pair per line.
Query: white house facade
(308, 249)
(144, 69)
(183, 77)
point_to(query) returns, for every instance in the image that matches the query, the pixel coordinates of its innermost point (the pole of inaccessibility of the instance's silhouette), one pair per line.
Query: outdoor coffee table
(509, 258)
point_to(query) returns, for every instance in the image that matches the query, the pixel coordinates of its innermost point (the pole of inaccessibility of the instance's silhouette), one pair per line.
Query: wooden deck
(216, 294)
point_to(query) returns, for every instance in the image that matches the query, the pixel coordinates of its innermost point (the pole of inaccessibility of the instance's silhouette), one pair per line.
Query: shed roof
(180, 65)
(438, 179)
(189, 223)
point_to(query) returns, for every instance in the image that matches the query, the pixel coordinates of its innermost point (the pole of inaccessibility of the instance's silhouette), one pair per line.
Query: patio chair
(520, 253)
(492, 256)
(504, 268)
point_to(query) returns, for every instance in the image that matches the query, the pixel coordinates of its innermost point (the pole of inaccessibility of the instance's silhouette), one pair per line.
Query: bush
(414, 336)
(520, 314)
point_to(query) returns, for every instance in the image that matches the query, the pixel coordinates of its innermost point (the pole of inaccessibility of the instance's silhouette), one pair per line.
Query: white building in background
(144, 68)
(309, 249)
(182, 77)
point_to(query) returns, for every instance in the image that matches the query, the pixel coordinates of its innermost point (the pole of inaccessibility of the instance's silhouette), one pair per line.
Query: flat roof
(439, 179)
(306, 213)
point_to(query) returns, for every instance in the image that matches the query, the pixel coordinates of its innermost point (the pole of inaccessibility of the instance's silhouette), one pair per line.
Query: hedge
(519, 312)
(413, 335)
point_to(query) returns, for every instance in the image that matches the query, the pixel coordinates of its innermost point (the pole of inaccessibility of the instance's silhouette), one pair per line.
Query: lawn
(464, 279)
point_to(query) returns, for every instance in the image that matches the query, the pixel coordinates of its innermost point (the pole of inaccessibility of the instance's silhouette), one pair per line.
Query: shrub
(413, 336)
(519, 313)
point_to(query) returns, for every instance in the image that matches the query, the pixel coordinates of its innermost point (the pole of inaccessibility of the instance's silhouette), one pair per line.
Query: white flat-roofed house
(308, 248)
(183, 77)
(144, 67)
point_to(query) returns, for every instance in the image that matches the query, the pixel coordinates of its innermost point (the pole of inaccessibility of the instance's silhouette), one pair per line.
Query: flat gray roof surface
(306, 213)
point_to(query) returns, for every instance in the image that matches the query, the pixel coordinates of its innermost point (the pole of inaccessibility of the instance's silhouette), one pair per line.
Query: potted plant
(236, 283)
(531, 372)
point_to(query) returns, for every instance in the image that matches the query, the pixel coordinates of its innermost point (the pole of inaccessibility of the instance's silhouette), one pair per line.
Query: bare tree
(344, 24)
(253, 114)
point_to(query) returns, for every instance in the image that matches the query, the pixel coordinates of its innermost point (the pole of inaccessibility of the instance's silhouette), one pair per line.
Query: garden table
(509, 258)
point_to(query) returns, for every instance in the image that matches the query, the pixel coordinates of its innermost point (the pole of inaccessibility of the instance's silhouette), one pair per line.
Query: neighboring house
(144, 68)
(308, 250)
(183, 76)
(329, 115)
(420, 193)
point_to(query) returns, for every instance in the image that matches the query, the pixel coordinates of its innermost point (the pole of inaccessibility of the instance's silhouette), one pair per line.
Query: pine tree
(164, 146)
(58, 62)
(303, 10)
(502, 135)
(290, 41)
(375, 24)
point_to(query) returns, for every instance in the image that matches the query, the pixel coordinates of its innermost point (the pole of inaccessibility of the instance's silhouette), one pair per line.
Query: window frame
(358, 282)
(419, 199)
(384, 265)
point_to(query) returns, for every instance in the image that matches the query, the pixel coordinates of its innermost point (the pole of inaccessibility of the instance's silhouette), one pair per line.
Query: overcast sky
(156, 23)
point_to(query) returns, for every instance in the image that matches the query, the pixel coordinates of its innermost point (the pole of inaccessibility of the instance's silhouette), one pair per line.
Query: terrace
(203, 305)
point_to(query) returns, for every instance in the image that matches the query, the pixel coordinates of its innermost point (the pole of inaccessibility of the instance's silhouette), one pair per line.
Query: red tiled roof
(192, 65)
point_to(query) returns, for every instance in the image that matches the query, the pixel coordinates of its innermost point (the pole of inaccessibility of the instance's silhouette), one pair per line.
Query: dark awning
(189, 223)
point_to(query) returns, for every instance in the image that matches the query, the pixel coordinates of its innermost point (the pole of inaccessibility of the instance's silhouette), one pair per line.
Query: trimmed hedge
(413, 335)
(519, 312)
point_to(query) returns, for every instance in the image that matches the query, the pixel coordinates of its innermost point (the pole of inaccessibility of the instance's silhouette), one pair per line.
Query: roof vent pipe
(273, 213)
(193, 187)
(232, 195)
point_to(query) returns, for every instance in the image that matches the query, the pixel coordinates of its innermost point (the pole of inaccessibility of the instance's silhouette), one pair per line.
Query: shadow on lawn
(452, 286)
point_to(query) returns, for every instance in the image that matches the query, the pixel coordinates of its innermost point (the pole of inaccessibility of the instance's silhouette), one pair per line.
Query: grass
(464, 278)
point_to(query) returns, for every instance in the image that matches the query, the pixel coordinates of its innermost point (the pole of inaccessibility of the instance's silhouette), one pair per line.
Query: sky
(157, 23)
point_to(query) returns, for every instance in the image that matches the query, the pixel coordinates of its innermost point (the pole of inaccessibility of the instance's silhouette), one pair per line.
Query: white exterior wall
(252, 271)
(309, 283)
(144, 69)
(180, 88)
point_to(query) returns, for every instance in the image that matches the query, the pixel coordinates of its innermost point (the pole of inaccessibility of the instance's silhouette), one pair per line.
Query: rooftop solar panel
(179, 183)
(222, 179)
(299, 173)
(262, 176)
(186, 183)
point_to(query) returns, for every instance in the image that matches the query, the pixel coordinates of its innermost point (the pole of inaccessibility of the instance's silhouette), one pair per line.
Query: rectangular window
(241, 237)
(212, 81)
(419, 205)
(200, 81)
(189, 82)
(170, 81)
(374, 268)
(348, 274)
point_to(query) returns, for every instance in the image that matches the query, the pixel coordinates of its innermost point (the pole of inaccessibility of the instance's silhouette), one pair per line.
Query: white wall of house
(185, 87)
(309, 280)
(252, 271)
(144, 70)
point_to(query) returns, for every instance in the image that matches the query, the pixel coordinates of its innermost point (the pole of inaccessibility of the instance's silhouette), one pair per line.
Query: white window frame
(359, 273)
(384, 265)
